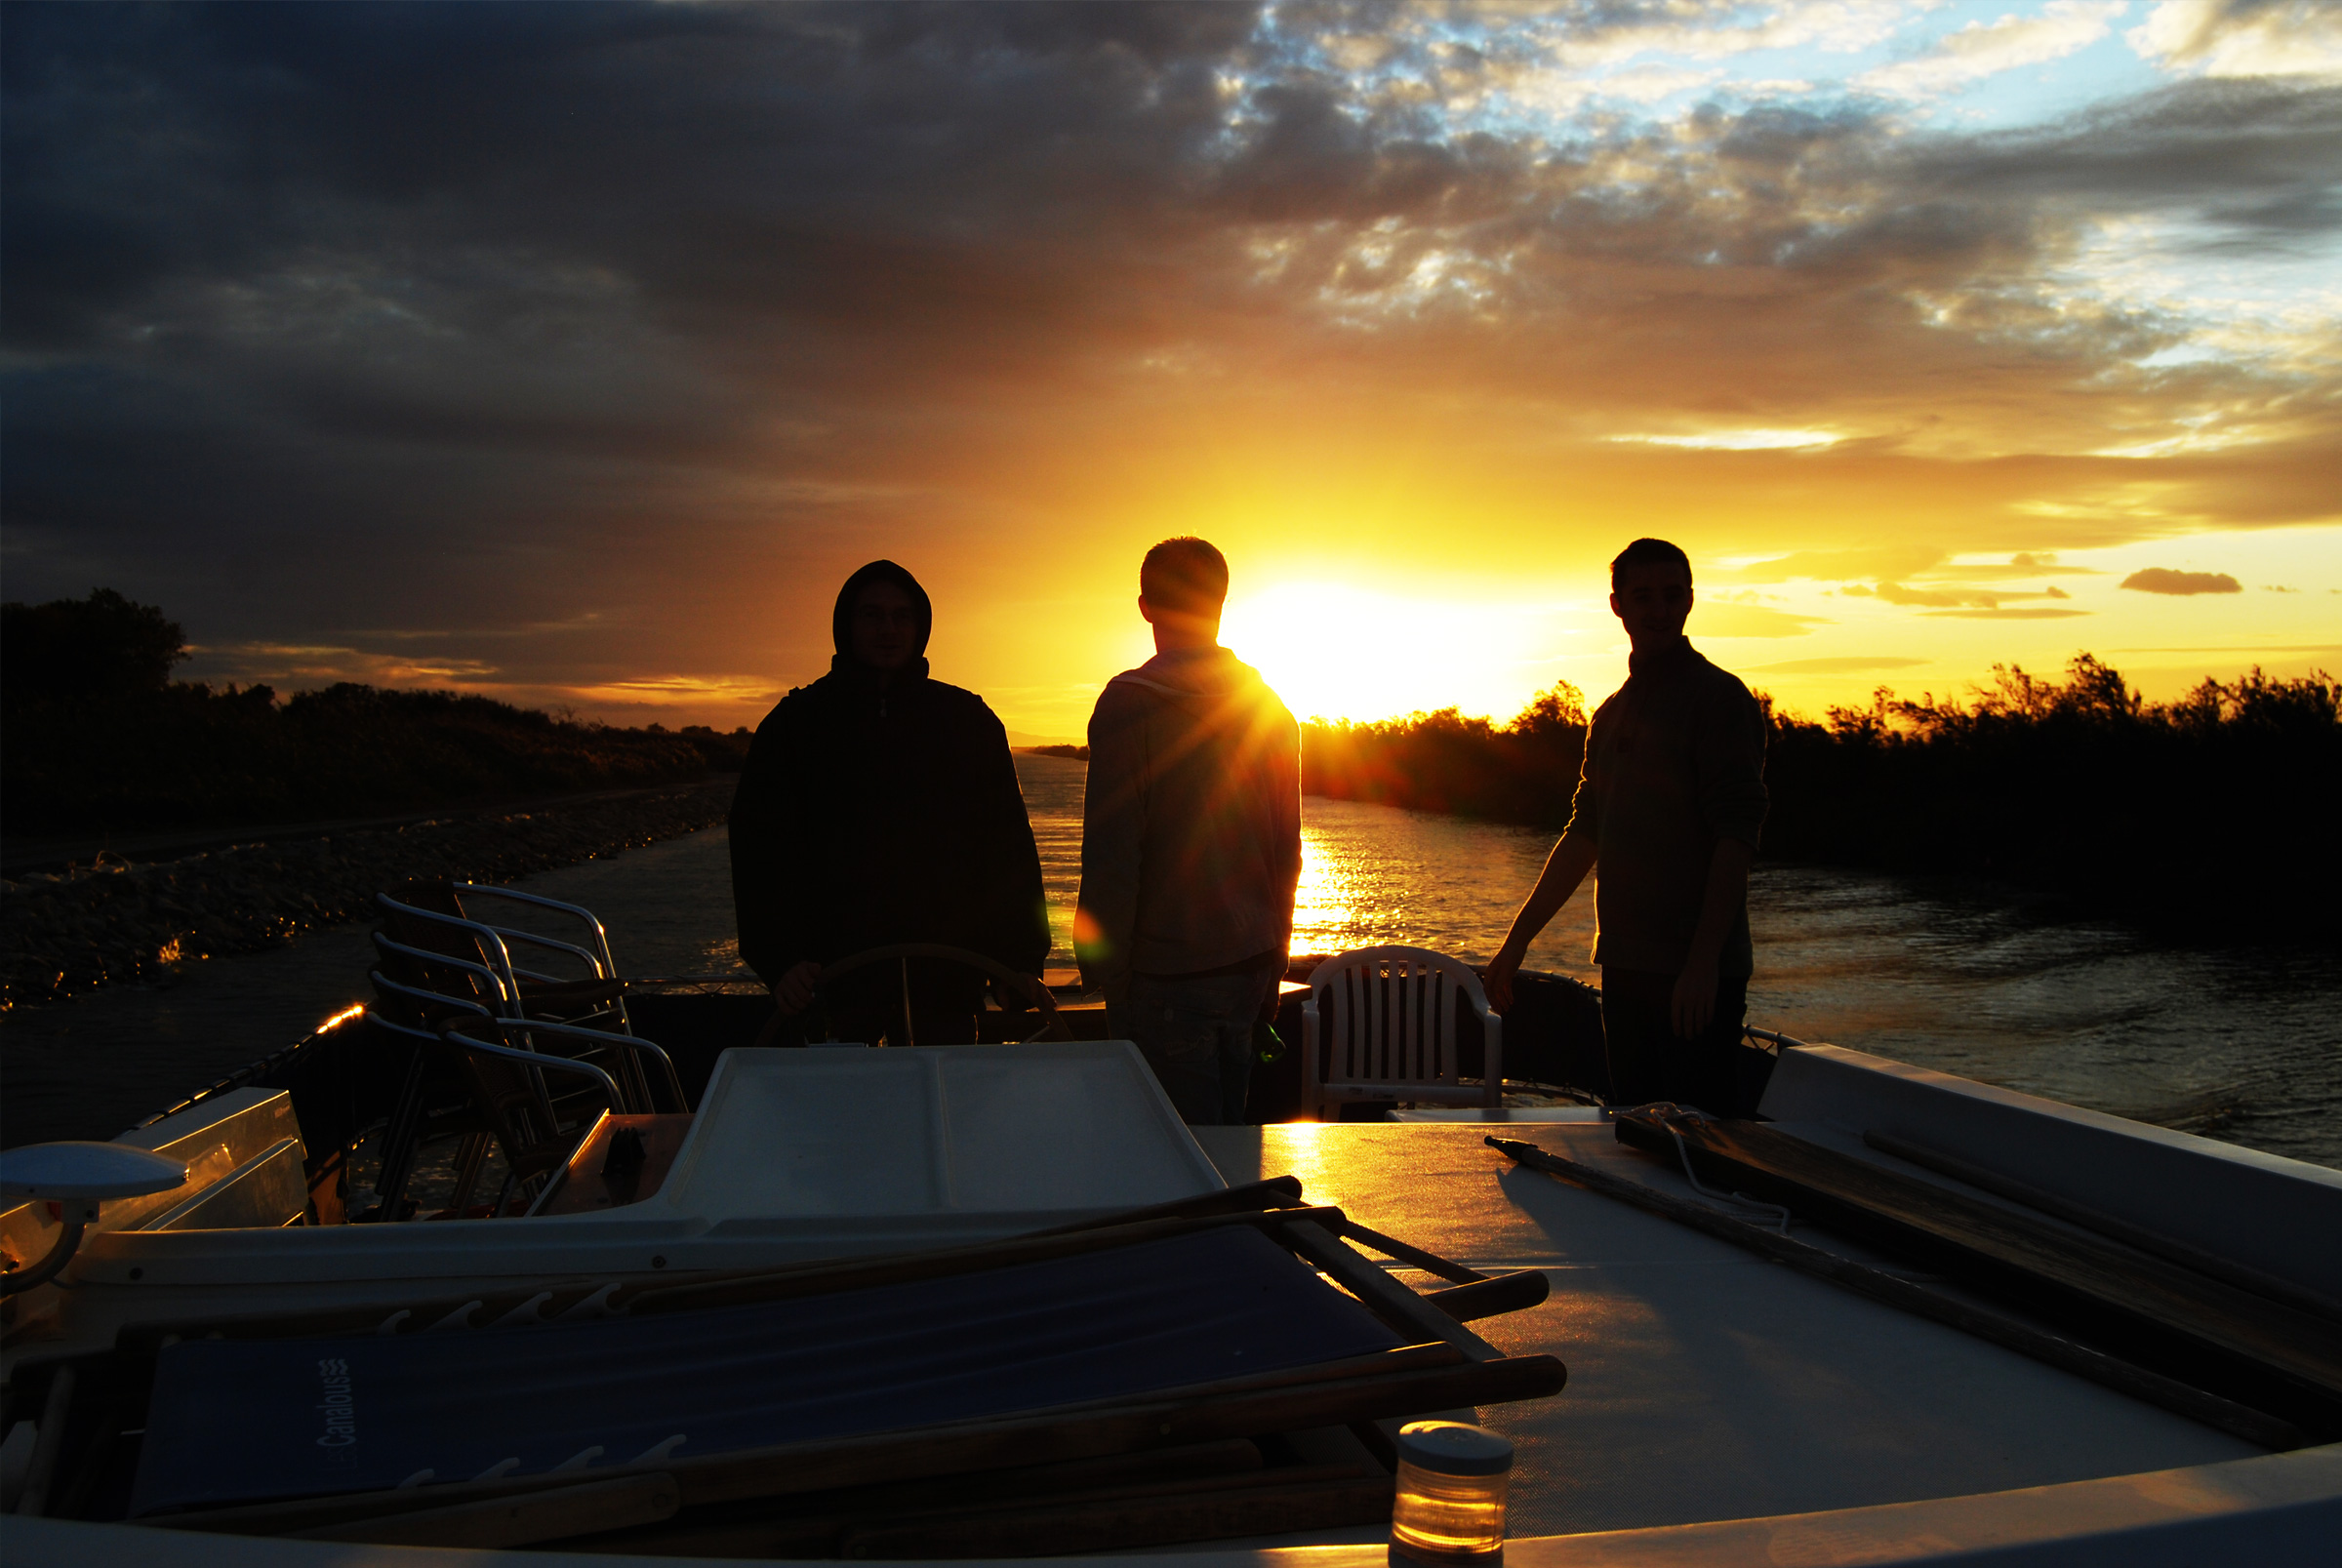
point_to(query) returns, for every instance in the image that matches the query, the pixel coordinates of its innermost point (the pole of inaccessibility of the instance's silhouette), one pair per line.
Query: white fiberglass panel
(1085, 1129)
(811, 1133)
(950, 1130)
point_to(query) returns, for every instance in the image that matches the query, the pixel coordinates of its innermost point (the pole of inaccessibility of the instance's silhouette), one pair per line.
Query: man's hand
(1028, 992)
(1564, 869)
(1694, 1001)
(794, 993)
(1498, 981)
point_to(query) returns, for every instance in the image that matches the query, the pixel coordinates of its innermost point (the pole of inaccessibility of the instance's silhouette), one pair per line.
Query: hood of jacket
(1191, 672)
(841, 617)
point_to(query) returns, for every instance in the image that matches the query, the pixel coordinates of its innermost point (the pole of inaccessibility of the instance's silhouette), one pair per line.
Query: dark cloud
(2162, 580)
(419, 313)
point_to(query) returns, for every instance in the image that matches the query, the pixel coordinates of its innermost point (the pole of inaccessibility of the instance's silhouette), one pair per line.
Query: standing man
(1191, 843)
(1669, 806)
(878, 805)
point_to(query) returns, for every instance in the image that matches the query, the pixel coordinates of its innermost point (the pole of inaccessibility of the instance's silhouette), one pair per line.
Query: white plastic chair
(1380, 1024)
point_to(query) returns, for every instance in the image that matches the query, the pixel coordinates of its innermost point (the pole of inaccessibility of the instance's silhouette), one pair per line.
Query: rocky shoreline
(119, 922)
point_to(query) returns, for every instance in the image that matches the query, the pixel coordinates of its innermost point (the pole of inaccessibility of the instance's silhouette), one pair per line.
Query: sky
(575, 353)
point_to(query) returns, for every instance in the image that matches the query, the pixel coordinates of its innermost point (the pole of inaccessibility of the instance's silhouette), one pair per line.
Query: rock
(57, 931)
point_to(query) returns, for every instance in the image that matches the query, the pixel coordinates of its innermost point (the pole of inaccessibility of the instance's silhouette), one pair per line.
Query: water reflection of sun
(1321, 905)
(1351, 896)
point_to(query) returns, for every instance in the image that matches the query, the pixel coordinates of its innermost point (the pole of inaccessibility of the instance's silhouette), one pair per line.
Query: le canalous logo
(338, 1404)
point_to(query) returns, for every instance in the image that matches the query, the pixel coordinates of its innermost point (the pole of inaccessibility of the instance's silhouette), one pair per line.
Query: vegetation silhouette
(2213, 812)
(96, 736)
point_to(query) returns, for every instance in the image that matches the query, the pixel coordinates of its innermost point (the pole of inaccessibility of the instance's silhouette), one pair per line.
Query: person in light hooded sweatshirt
(880, 806)
(1191, 844)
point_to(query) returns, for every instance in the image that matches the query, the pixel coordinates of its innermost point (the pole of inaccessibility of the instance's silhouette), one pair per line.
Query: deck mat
(244, 1421)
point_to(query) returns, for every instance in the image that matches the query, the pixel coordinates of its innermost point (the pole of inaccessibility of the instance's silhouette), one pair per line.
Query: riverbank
(2204, 818)
(127, 922)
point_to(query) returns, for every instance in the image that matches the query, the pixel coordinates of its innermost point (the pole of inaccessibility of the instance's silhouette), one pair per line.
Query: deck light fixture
(78, 1177)
(1450, 1508)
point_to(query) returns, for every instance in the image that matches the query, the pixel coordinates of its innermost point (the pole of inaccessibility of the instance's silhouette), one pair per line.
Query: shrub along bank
(96, 737)
(2212, 814)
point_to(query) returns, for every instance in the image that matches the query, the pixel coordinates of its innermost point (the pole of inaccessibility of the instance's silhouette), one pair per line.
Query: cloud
(1739, 440)
(2006, 613)
(2161, 579)
(1850, 665)
(2241, 37)
(1984, 49)
(600, 341)
(301, 666)
(2023, 564)
(671, 690)
(1843, 566)
(1934, 598)
(2329, 648)
(1954, 596)
(1709, 618)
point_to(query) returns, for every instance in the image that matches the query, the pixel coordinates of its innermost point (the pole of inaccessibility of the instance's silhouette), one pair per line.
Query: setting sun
(1334, 651)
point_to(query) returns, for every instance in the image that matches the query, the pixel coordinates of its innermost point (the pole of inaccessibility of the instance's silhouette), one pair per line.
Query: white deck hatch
(1010, 1129)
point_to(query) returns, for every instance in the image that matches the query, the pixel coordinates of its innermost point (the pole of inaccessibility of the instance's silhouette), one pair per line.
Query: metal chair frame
(635, 1047)
(1392, 1034)
(497, 942)
(536, 1063)
(629, 1092)
(403, 1134)
(502, 977)
(501, 1002)
(605, 968)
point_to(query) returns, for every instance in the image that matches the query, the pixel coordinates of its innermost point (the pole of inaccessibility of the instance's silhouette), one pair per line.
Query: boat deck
(1706, 1383)
(1720, 1409)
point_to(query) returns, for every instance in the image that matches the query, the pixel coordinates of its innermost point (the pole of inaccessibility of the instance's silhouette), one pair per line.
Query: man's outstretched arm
(1564, 869)
(1694, 1001)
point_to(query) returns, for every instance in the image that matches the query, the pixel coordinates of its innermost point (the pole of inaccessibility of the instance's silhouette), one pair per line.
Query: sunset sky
(574, 354)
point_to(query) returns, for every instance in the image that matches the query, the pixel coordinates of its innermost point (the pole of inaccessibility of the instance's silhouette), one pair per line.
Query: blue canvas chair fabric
(234, 1421)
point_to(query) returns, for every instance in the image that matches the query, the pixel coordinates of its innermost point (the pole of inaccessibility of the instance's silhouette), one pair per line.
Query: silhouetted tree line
(2215, 811)
(1521, 772)
(95, 735)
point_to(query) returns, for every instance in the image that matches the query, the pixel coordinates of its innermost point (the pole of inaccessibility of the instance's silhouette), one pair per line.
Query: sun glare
(1332, 651)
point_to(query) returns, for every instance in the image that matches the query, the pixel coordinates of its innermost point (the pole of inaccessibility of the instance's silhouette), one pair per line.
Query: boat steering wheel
(1054, 1029)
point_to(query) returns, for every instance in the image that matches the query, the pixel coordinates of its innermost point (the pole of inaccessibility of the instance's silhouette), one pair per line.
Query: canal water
(2242, 1043)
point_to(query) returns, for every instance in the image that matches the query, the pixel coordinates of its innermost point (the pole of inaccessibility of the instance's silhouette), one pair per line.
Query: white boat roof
(1719, 1409)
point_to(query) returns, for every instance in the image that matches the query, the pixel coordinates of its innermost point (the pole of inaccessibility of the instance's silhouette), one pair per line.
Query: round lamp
(1451, 1507)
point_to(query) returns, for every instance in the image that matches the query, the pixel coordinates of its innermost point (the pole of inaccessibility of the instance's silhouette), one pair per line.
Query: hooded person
(1191, 843)
(877, 806)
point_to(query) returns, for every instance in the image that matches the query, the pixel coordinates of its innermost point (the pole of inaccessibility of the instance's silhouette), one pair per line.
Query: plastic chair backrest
(1384, 1018)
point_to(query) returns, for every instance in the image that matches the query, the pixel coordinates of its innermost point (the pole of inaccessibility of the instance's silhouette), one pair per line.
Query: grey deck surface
(1704, 1382)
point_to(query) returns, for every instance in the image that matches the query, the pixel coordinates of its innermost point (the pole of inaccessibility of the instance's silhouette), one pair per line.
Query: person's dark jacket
(870, 814)
(1674, 761)
(1191, 841)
